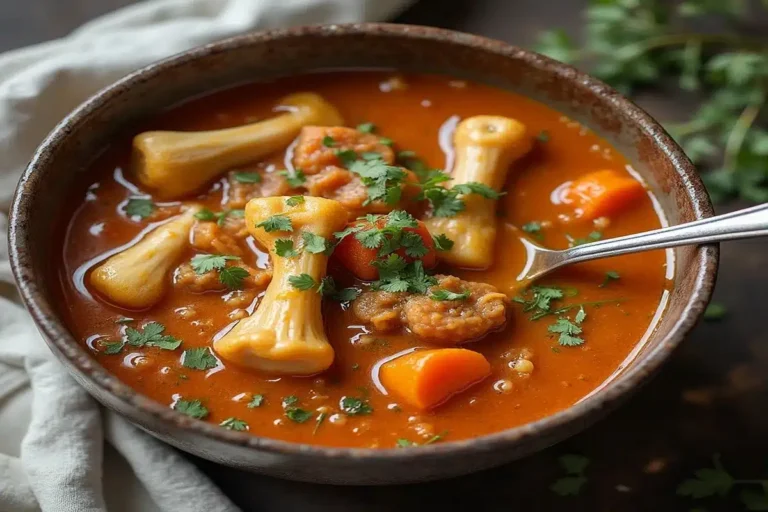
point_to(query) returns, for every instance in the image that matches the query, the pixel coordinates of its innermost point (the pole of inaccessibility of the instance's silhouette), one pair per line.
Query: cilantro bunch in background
(632, 44)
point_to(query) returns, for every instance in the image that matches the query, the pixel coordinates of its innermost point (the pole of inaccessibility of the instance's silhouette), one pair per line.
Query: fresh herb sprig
(632, 44)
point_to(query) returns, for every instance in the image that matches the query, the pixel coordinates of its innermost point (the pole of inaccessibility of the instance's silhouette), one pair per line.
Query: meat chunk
(211, 238)
(445, 322)
(242, 190)
(186, 277)
(313, 156)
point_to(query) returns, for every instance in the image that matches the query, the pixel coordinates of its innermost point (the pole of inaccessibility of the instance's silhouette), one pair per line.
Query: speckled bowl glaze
(68, 150)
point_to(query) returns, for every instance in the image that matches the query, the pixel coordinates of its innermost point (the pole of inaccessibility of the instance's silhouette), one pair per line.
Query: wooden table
(711, 398)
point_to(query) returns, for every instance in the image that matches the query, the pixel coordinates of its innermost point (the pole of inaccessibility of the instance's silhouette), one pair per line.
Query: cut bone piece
(178, 163)
(485, 147)
(136, 278)
(285, 334)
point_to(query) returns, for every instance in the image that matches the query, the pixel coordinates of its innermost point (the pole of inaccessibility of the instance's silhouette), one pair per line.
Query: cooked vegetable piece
(428, 378)
(177, 163)
(285, 333)
(359, 250)
(602, 194)
(136, 278)
(485, 148)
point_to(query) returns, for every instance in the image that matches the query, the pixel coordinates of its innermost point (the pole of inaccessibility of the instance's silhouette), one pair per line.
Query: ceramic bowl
(49, 182)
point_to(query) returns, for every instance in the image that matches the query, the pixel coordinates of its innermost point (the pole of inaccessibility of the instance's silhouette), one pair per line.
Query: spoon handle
(747, 223)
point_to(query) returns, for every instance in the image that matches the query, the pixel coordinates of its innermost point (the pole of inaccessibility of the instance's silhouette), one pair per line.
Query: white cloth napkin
(52, 451)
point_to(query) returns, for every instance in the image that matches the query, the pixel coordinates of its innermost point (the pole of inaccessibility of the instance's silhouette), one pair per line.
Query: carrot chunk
(602, 193)
(427, 378)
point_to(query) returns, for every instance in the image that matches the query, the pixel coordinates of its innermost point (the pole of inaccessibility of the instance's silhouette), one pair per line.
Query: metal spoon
(748, 223)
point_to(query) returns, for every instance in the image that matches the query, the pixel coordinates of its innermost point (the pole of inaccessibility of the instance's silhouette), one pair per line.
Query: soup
(297, 266)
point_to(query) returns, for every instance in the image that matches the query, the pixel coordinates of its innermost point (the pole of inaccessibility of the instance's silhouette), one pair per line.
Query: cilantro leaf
(232, 277)
(192, 408)
(290, 400)
(413, 244)
(314, 244)
(346, 295)
(276, 223)
(611, 275)
(477, 188)
(205, 214)
(151, 335)
(568, 332)
(234, 424)
(294, 200)
(295, 179)
(399, 219)
(256, 401)
(328, 141)
(708, 482)
(442, 242)
(355, 406)
(298, 415)
(199, 359)
(248, 177)
(302, 282)
(139, 207)
(441, 295)
(204, 263)
(285, 249)
(366, 127)
(112, 348)
(383, 181)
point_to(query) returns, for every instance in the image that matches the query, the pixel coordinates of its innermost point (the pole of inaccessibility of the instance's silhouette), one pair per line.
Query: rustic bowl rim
(60, 340)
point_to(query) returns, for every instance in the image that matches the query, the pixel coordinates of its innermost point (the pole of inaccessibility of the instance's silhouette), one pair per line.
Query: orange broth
(413, 118)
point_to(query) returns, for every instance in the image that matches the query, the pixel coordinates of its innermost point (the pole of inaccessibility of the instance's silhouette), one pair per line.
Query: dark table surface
(711, 397)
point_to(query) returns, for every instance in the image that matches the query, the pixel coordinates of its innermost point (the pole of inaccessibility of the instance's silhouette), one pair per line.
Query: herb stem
(738, 134)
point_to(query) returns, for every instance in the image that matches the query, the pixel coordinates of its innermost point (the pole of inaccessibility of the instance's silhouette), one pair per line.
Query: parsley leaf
(276, 223)
(294, 200)
(295, 179)
(441, 294)
(302, 282)
(192, 408)
(232, 277)
(611, 275)
(234, 424)
(151, 335)
(442, 242)
(199, 359)
(355, 406)
(314, 244)
(328, 141)
(138, 207)
(204, 263)
(256, 401)
(366, 127)
(248, 177)
(285, 249)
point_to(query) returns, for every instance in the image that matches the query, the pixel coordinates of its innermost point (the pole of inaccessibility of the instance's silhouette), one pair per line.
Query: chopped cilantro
(232, 277)
(204, 263)
(112, 348)
(314, 244)
(383, 181)
(285, 249)
(248, 177)
(234, 424)
(205, 214)
(256, 401)
(396, 275)
(294, 200)
(405, 155)
(366, 127)
(441, 295)
(328, 141)
(328, 288)
(290, 400)
(404, 443)
(302, 282)
(442, 242)
(199, 359)
(355, 406)
(533, 228)
(541, 300)
(276, 223)
(569, 330)
(346, 157)
(192, 408)
(714, 312)
(477, 188)
(220, 217)
(297, 415)
(151, 335)
(708, 482)
(594, 236)
(611, 275)
(139, 207)
(295, 179)
(371, 155)
(386, 141)
(445, 202)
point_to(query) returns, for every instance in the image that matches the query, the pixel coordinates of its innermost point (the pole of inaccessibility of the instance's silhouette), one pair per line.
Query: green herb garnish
(366, 127)
(192, 408)
(248, 177)
(355, 406)
(151, 335)
(611, 275)
(199, 359)
(295, 179)
(276, 223)
(441, 295)
(234, 424)
(256, 401)
(138, 207)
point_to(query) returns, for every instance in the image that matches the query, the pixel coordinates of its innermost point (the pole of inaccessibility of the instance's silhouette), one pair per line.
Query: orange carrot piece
(427, 378)
(602, 193)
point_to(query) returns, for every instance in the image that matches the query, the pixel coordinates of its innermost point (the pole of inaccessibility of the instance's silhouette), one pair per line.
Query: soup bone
(174, 164)
(285, 334)
(485, 147)
(136, 277)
